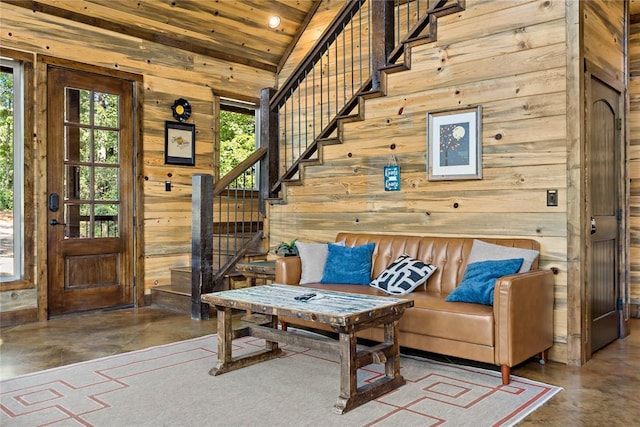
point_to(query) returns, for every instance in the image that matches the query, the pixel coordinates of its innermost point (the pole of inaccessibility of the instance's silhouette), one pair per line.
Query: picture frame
(179, 143)
(454, 144)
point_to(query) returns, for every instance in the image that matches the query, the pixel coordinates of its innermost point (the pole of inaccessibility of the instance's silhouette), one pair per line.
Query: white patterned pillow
(403, 275)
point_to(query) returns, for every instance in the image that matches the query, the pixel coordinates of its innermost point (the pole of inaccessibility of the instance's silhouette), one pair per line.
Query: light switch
(167, 186)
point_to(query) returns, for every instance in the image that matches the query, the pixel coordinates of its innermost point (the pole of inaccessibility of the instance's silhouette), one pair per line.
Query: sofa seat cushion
(432, 315)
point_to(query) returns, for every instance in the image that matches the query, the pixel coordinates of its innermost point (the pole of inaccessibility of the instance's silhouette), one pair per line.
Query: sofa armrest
(523, 313)
(288, 270)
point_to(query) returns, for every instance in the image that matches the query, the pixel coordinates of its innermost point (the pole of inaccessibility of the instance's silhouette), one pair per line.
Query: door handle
(55, 222)
(593, 225)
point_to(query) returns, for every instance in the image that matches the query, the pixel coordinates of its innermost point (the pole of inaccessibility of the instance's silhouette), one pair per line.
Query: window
(11, 170)
(237, 138)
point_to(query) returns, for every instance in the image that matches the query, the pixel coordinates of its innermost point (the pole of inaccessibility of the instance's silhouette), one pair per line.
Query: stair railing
(226, 225)
(366, 37)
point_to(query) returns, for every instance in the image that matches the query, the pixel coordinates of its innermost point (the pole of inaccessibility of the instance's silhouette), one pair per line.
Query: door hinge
(619, 304)
(619, 123)
(619, 214)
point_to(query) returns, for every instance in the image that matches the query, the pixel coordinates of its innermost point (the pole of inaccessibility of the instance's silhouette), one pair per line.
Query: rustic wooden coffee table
(346, 313)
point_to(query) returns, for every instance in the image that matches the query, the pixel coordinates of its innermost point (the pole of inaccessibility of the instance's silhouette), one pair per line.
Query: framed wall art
(454, 146)
(179, 143)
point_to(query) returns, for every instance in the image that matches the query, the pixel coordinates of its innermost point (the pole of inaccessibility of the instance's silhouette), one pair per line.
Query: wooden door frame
(29, 277)
(593, 71)
(41, 166)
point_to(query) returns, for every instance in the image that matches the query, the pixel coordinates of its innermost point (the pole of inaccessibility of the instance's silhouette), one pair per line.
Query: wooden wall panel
(168, 74)
(603, 24)
(634, 165)
(515, 68)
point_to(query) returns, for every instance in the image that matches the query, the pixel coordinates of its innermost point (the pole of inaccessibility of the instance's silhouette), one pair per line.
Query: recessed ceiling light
(274, 22)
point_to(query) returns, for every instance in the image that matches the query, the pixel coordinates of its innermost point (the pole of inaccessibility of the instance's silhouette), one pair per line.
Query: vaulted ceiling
(233, 30)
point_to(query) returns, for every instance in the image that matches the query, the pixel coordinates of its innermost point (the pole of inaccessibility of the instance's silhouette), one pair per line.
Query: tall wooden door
(603, 168)
(90, 191)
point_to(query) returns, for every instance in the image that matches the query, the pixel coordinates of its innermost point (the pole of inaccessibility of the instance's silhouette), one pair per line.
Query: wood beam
(382, 42)
(174, 40)
(269, 139)
(201, 244)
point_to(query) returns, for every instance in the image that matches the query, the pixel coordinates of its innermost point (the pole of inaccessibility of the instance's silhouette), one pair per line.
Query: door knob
(593, 225)
(55, 222)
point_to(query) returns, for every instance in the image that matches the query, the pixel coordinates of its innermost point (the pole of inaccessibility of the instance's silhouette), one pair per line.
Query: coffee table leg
(351, 395)
(348, 373)
(226, 361)
(225, 338)
(392, 364)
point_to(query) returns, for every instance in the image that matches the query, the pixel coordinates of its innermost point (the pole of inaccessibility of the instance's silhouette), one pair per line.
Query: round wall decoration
(181, 109)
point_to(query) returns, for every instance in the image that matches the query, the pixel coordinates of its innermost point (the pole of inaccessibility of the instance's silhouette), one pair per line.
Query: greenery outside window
(11, 170)
(237, 138)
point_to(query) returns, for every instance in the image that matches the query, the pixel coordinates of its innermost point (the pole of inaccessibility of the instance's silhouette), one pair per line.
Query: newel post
(268, 138)
(382, 41)
(201, 243)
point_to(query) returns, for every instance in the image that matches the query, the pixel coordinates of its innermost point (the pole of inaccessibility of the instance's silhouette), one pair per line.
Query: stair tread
(170, 289)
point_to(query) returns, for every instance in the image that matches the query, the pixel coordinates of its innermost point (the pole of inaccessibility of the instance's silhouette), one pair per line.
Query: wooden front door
(603, 171)
(90, 191)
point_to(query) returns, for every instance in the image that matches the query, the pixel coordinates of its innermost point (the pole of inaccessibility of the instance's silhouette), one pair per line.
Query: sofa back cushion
(449, 254)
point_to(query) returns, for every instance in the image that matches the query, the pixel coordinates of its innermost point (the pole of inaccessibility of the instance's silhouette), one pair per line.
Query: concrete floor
(603, 392)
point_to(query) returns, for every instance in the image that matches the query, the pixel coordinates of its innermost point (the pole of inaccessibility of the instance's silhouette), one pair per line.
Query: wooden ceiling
(233, 30)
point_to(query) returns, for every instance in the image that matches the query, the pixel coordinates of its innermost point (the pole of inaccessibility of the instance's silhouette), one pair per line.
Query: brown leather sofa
(517, 327)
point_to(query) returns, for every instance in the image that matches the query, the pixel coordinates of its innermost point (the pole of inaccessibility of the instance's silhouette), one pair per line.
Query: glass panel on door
(91, 172)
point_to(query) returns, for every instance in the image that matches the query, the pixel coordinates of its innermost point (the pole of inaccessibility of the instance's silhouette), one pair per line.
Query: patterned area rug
(169, 385)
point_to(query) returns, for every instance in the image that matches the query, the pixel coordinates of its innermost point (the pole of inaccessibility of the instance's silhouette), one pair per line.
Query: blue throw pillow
(349, 266)
(480, 279)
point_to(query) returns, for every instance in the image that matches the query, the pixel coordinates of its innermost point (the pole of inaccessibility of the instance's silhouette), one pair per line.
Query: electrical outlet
(552, 197)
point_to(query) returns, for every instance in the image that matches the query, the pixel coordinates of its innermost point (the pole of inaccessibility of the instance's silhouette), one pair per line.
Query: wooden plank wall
(508, 57)
(634, 162)
(168, 74)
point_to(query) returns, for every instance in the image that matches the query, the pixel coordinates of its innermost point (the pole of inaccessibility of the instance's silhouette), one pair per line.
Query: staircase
(177, 295)
(227, 225)
(366, 40)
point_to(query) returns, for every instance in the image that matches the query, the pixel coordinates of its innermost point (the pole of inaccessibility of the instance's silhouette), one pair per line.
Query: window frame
(18, 168)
